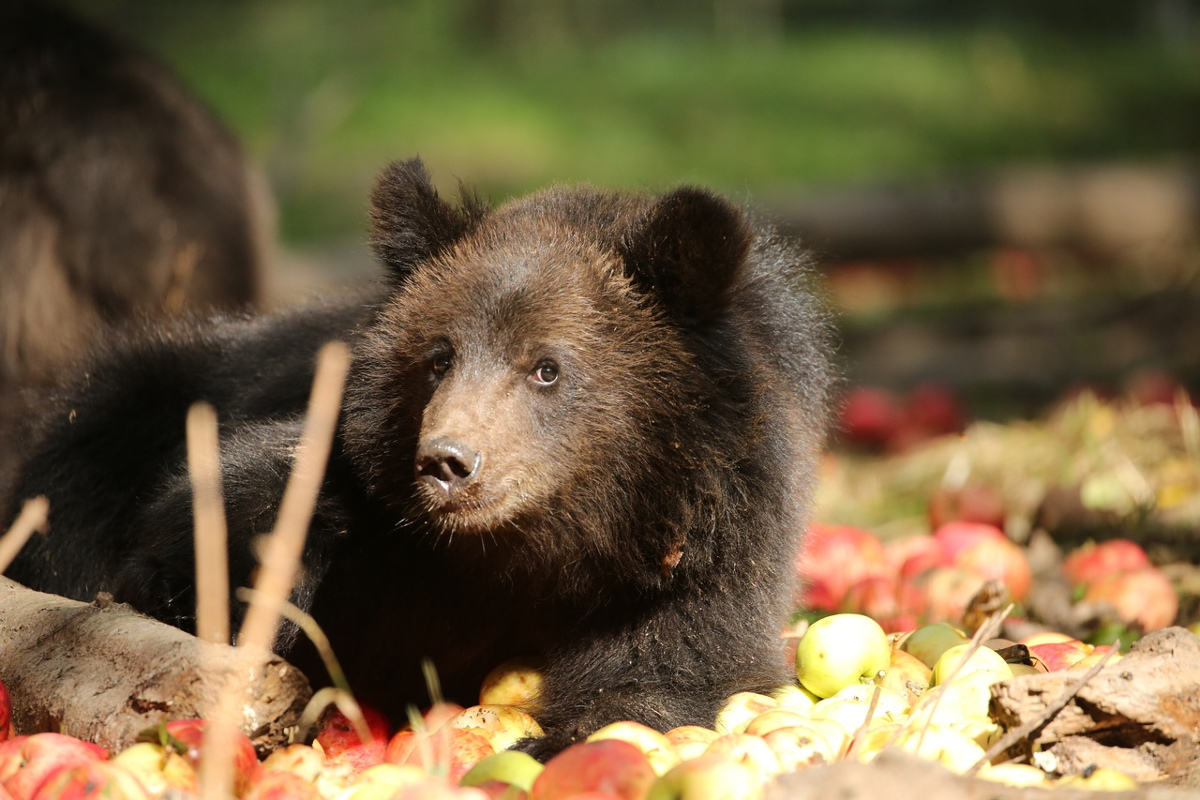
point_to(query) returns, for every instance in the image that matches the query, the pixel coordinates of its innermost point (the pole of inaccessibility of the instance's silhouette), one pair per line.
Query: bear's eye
(440, 364)
(545, 373)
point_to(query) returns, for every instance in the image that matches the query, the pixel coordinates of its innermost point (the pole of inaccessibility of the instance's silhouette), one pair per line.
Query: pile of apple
(906, 582)
(924, 688)
(858, 690)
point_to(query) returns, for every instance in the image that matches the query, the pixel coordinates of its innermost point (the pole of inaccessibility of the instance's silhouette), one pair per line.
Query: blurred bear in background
(121, 195)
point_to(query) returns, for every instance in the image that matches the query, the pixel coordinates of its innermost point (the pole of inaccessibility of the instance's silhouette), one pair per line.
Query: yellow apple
(840, 650)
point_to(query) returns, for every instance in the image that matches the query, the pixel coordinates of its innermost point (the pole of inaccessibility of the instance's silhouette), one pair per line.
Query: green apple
(840, 650)
(928, 642)
(508, 766)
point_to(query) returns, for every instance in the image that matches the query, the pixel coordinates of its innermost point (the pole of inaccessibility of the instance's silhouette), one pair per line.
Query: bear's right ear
(410, 223)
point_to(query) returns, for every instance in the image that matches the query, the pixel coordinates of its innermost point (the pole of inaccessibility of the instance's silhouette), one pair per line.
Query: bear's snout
(447, 465)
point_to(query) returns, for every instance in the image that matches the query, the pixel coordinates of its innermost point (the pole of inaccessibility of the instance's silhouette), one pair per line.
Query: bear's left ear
(411, 223)
(687, 250)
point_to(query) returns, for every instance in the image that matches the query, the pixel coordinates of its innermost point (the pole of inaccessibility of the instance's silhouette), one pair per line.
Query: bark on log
(1140, 714)
(103, 673)
(897, 775)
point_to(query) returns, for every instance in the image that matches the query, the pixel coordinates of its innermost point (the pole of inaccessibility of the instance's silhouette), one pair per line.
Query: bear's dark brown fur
(120, 193)
(583, 425)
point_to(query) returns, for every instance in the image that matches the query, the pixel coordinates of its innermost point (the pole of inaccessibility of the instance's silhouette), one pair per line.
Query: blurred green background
(755, 97)
(1004, 194)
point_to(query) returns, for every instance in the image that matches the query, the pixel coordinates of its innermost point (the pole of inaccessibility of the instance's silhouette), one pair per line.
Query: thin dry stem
(280, 563)
(32, 518)
(208, 511)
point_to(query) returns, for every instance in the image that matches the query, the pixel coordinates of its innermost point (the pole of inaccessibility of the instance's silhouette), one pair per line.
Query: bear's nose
(447, 463)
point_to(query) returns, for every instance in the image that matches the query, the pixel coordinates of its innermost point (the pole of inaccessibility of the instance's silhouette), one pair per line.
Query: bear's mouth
(469, 510)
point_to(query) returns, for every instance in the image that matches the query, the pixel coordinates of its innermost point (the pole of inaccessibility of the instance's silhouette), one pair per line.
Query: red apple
(1152, 387)
(448, 751)
(958, 536)
(25, 767)
(1060, 655)
(833, 559)
(1144, 597)
(912, 555)
(1093, 561)
(934, 409)
(340, 741)
(94, 780)
(947, 592)
(281, 786)
(970, 503)
(1000, 559)
(6, 729)
(895, 605)
(607, 765)
(870, 417)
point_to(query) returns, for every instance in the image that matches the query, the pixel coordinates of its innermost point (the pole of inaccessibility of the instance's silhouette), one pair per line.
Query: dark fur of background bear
(583, 425)
(120, 194)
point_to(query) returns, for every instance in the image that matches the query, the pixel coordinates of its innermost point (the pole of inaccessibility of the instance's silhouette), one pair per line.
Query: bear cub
(583, 425)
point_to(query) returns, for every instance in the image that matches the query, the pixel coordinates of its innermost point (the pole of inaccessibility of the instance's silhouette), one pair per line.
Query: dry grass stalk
(31, 519)
(208, 511)
(280, 563)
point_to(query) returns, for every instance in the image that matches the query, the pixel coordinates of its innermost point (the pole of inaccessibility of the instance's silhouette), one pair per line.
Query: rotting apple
(964, 659)
(502, 726)
(1062, 654)
(515, 682)
(340, 741)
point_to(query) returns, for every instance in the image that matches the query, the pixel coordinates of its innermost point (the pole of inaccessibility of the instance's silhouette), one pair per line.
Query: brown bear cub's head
(562, 378)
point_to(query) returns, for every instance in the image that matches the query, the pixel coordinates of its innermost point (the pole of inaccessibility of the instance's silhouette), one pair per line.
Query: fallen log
(1140, 714)
(898, 775)
(103, 673)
